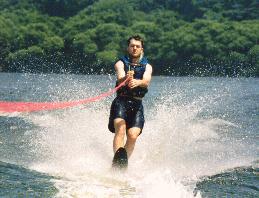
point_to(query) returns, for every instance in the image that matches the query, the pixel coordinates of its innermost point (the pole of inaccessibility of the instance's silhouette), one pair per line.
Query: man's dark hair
(137, 38)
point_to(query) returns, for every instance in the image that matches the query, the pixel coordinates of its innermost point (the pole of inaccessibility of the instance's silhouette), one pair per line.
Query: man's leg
(132, 135)
(120, 130)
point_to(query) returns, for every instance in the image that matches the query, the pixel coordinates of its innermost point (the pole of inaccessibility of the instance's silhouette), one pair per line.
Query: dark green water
(17, 181)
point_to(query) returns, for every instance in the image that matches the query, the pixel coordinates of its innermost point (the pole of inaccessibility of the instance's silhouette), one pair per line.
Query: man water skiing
(127, 114)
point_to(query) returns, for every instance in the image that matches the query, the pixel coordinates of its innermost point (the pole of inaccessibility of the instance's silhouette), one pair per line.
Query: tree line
(198, 37)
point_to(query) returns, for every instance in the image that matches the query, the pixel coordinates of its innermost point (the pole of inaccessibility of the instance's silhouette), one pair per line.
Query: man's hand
(131, 80)
(133, 83)
(130, 75)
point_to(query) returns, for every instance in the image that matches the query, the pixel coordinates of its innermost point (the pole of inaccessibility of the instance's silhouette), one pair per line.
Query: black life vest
(139, 70)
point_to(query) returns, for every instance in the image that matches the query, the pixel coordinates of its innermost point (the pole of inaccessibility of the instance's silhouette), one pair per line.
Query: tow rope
(12, 107)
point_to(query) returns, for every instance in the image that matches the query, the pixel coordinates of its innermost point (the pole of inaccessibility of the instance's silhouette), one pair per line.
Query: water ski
(120, 159)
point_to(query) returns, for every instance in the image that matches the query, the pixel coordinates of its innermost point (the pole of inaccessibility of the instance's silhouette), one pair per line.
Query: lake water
(200, 139)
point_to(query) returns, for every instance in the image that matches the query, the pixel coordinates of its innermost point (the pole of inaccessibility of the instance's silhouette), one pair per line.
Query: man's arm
(119, 68)
(120, 72)
(145, 81)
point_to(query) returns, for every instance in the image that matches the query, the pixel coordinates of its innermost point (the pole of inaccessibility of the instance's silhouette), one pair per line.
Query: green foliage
(195, 37)
(253, 55)
(108, 36)
(6, 34)
(5, 48)
(62, 8)
(53, 44)
(106, 57)
(25, 53)
(231, 9)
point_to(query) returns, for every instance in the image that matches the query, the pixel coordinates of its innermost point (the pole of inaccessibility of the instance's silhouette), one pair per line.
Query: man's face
(135, 48)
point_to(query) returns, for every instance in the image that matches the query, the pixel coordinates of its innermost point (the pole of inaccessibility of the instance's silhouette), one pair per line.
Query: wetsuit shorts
(129, 109)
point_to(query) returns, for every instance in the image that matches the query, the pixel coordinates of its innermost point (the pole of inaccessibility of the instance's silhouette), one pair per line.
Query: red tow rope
(11, 107)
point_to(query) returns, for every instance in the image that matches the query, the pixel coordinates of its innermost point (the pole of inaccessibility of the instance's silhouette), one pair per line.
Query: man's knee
(133, 134)
(120, 126)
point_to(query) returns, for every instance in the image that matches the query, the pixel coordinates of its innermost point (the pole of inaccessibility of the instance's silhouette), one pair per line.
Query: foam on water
(170, 155)
(77, 148)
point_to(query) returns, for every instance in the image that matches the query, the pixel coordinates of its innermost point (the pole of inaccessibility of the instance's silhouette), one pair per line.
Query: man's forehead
(133, 41)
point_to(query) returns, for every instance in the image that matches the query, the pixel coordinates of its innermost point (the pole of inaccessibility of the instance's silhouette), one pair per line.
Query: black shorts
(129, 109)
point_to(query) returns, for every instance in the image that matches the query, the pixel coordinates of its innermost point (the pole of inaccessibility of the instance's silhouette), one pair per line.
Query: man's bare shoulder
(149, 68)
(119, 64)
